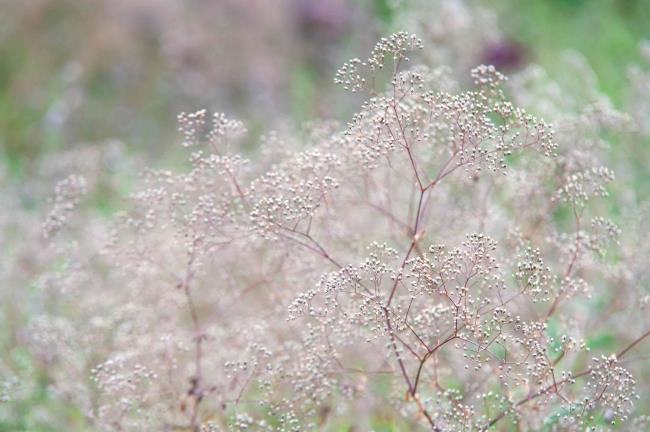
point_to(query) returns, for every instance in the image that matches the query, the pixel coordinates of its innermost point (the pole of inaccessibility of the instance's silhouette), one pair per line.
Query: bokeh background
(73, 73)
(96, 86)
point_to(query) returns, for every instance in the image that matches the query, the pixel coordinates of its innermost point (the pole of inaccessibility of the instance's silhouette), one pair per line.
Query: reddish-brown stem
(572, 263)
(195, 391)
(426, 357)
(555, 385)
(633, 344)
(391, 335)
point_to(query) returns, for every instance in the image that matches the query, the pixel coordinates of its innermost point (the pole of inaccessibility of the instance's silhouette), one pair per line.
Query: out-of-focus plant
(459, 34)
(438, 260)
(73, 72)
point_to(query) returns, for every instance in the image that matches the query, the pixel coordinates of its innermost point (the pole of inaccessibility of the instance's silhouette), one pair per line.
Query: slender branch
(196, 385)
(546, 390)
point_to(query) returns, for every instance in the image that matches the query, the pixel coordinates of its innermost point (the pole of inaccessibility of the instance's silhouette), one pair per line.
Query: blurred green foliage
(35, 50)
(606, 32)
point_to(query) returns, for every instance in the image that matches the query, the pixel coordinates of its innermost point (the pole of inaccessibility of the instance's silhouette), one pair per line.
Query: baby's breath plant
(432, 261)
